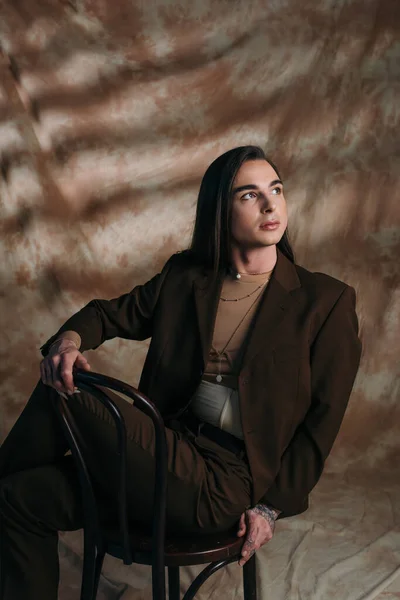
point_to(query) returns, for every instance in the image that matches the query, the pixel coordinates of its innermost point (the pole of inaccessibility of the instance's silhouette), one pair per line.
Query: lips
(270, 225)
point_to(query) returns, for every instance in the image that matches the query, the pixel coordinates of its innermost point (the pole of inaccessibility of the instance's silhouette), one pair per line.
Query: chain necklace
(250, 273)
(238, 274)
(221, 352)
(247, 295)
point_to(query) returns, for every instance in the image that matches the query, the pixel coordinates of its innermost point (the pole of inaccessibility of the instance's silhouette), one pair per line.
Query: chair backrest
(89, 382)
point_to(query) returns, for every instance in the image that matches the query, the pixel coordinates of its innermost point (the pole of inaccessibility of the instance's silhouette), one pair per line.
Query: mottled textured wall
(110, 112)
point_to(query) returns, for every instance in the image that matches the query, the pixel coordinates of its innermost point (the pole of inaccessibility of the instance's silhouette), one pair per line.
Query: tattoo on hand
(268, 513)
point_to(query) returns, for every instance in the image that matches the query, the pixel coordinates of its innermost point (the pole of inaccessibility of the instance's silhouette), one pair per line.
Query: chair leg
(204, 575)
(98, 568)
(92, 564)
(249, 579)
(173, 583)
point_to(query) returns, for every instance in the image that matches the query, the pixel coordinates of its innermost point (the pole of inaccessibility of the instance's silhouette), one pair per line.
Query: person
(251, 362)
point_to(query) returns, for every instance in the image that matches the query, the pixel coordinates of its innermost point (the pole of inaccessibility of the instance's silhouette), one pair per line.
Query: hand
(56, 368)
(259, 528)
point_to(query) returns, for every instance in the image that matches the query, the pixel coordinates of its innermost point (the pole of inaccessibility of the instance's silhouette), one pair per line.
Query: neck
(254, 260)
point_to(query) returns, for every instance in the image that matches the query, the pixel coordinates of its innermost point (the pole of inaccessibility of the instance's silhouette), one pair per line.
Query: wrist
(71, 336)
(267, 511)
(63, 342)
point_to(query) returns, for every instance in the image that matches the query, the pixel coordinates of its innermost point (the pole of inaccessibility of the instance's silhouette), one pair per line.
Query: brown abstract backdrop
(110, 113)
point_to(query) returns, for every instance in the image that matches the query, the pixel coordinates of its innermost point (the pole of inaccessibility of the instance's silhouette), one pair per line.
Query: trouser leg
(39, 495)
(206, 491)
(208, 487)
(186, 468)
(36, 438)
(34, 505)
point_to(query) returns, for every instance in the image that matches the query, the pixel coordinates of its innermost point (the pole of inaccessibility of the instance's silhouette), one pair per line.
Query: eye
(277, 191)
(248, 194)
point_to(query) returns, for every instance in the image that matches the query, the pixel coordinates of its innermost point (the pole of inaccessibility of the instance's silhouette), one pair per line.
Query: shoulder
(184, 263)
(181, 260)
(313, 287)
(179, 271)
(326, 295)
(327, 300)
(320, 285)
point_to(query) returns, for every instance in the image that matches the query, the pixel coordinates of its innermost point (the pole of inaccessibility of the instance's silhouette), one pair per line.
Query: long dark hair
(211, 240)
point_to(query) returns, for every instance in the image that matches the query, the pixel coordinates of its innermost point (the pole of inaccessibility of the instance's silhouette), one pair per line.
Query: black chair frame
(96, 544)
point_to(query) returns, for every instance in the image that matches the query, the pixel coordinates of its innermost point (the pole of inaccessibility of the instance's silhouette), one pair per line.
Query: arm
(335, 357)
(130, 316)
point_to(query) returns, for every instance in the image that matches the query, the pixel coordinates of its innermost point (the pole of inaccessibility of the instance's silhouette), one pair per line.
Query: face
(257, 200)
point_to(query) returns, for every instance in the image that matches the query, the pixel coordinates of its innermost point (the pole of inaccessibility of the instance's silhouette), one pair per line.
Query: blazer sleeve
(334, 359)
(129, 316)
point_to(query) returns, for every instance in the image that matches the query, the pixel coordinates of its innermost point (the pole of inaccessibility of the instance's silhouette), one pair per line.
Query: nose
(268, 203)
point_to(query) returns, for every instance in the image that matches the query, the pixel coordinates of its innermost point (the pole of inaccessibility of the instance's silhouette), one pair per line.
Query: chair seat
(179, 551)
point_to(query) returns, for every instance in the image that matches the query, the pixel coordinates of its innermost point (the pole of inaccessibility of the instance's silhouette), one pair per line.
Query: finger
(82, 363)
(47, 373)
(248, 545)
(54, 378)
(51, 380)
(66, 373)
(252, 539)
(57, 382)
(243, 560)
(242, 526)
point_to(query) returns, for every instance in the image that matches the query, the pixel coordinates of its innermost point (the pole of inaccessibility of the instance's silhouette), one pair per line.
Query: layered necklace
(259, 289)
(247, 295)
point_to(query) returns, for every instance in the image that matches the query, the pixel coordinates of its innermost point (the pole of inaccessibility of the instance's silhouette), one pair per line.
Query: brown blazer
(297, 373)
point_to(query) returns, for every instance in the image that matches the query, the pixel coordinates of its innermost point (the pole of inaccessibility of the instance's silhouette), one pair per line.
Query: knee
(6, 495)
(42, 499)
(8, 487)
(19, 505)
(17, 495)
(18, 514)
(5, 485)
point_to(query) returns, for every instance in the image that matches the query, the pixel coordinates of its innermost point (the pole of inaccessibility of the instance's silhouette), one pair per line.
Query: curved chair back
(90, 382)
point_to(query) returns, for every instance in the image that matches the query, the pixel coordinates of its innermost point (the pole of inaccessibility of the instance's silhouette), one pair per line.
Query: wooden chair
(151, 547)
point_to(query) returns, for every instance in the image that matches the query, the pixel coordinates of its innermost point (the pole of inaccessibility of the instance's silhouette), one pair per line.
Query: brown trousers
(208, 486)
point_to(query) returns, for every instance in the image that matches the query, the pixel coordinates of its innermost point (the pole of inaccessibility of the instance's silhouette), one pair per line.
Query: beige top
(216, 401)
(228, 317)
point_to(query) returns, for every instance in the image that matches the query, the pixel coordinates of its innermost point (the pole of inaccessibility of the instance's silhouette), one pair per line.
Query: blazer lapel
(206, 295)
(274, 307)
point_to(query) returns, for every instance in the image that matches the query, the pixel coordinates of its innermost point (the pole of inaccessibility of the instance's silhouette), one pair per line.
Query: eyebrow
(251, 186)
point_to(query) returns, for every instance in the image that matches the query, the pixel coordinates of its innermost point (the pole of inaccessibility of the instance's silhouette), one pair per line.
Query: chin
(272, 237)
(261, 244)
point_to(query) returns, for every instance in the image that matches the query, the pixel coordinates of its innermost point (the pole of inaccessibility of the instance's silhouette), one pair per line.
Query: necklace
(250, 273)
(220, 353)
(247, 295)
(238, 274)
